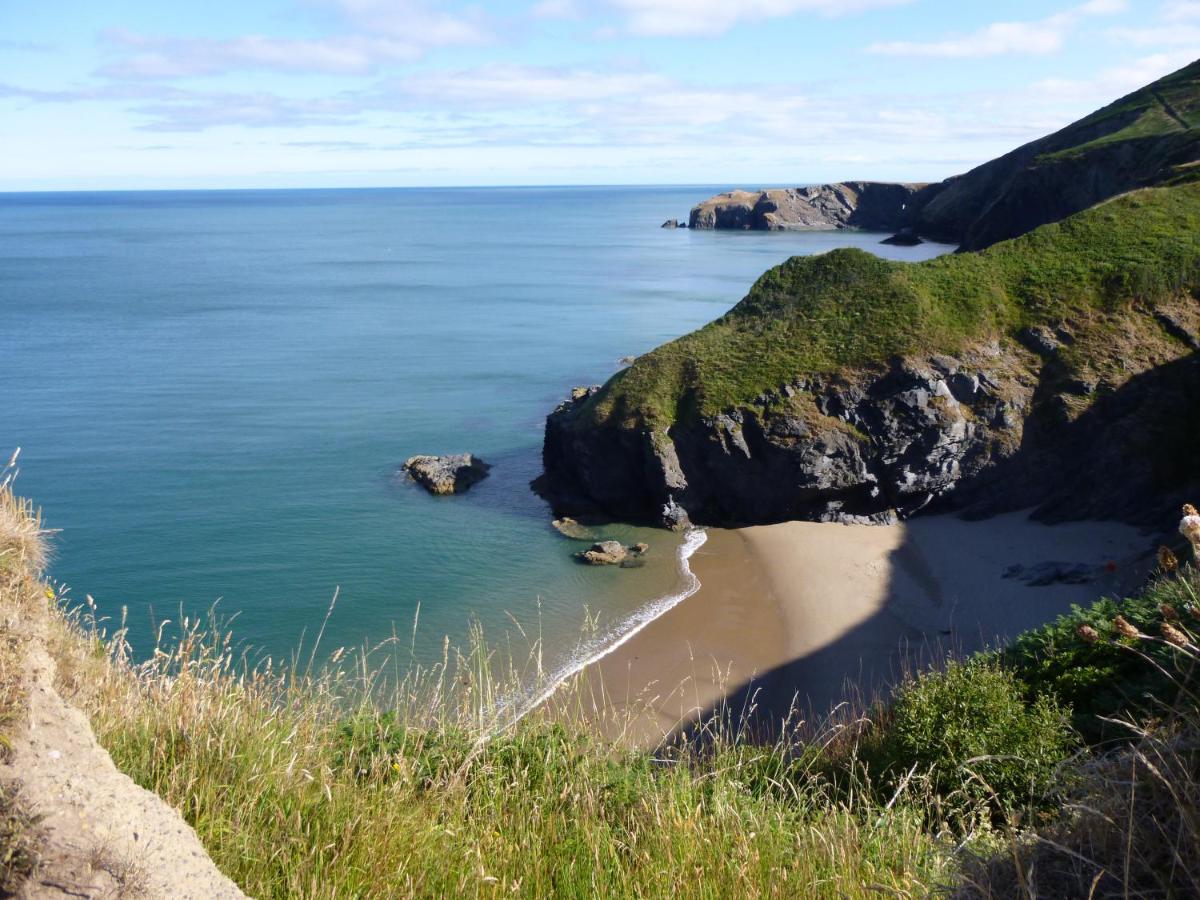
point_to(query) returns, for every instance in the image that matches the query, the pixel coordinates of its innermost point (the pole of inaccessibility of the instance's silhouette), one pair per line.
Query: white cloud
(1035, 38)
(689, 18)
(1181, 10)
(557, 9)
(372, 34)
(1113, 82)
(147, 56)
(1179, 35)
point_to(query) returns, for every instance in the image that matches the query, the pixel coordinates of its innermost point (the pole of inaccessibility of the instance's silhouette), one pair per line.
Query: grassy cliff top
(848, 308)
(1169, 105)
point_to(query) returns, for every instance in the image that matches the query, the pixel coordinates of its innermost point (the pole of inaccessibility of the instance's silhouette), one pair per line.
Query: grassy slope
(848, 308)
(301, 788)
(1171, 105)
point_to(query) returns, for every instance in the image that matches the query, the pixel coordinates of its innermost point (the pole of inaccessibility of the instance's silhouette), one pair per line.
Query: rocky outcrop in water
(613, 553)
(874, 206)
(446, 474)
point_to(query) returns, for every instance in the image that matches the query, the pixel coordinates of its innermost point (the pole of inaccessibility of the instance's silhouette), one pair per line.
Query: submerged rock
(446, 474)
(569, 528)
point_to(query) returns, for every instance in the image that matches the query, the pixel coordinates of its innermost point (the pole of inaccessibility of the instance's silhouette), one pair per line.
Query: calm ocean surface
(214, 390)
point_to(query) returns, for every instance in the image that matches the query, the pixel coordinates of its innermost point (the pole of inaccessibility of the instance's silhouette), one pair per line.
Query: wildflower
(1167, 560)
(1122, 625)
(1173, 635)
(49, 592)
(1189, 527)
(1169, 612)
(1088, 634)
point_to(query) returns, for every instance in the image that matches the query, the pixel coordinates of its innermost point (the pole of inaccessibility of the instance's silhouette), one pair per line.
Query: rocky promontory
(1144, 139)
(1063, 355)
(873, 206)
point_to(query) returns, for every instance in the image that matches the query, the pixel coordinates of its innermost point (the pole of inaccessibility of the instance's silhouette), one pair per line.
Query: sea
(214, 391)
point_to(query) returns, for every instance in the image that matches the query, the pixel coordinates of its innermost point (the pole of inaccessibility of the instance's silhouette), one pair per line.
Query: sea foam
(512, 709)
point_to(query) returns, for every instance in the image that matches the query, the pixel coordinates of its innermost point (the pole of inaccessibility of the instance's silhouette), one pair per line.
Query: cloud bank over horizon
(377, 92)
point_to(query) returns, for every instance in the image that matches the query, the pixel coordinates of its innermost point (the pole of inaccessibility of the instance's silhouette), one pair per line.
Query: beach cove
(806, 616)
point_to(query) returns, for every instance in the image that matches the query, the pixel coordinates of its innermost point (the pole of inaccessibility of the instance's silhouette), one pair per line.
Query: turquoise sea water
(214, 390)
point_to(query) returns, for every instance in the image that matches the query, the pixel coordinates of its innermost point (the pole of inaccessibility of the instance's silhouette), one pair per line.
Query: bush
(968, 731)
(1101, 674)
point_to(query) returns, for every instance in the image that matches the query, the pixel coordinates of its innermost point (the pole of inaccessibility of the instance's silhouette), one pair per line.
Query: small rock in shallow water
(604, 553)
(639, 549)
(446, 474)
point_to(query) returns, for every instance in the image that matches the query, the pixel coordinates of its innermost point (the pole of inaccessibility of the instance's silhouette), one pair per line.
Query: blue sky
(324, 93)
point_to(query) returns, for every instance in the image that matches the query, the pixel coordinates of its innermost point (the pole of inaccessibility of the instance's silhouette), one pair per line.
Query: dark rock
(905, 237)
(1040, 340)
(603, 553)
(1045, 574)
(446, 474)
(1178, 327)
(895, 441)
(674, 516)
(671, 223)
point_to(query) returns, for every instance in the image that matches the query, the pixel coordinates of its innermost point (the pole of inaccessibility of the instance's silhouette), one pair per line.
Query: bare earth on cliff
(99, 834)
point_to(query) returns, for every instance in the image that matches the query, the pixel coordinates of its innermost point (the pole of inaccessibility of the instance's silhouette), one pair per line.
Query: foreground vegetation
(990, 777)
(848, 308)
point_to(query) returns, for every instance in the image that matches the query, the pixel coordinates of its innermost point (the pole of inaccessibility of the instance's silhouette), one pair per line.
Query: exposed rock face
(994, 429)
(874, 206)
(446, 474)
(670, 223)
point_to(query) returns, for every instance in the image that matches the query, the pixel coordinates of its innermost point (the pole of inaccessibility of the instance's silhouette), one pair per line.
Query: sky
(145, 94)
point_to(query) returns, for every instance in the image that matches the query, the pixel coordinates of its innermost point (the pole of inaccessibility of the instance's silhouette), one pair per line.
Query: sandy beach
(805, 615)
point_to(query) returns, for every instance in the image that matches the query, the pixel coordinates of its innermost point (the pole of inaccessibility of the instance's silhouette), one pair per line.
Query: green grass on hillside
(304, 784)
(1168, 106)
(849, 308)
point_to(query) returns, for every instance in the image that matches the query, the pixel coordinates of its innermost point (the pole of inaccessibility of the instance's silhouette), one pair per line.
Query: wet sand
(803, 615)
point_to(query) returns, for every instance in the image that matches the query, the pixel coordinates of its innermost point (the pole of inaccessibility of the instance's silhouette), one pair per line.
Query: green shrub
(969, 732)
(1101, 674)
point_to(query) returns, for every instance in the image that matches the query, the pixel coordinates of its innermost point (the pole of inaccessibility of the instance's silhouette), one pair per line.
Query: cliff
(1141, 140)
(845, 386)
(873, 206)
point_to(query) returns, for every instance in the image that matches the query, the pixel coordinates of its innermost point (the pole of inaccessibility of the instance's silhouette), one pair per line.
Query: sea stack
(446, 474)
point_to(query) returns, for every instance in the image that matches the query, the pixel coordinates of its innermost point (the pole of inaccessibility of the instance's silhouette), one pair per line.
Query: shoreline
(795, 618)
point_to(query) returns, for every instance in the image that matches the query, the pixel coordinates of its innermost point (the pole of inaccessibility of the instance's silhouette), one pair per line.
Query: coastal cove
(229, 382)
